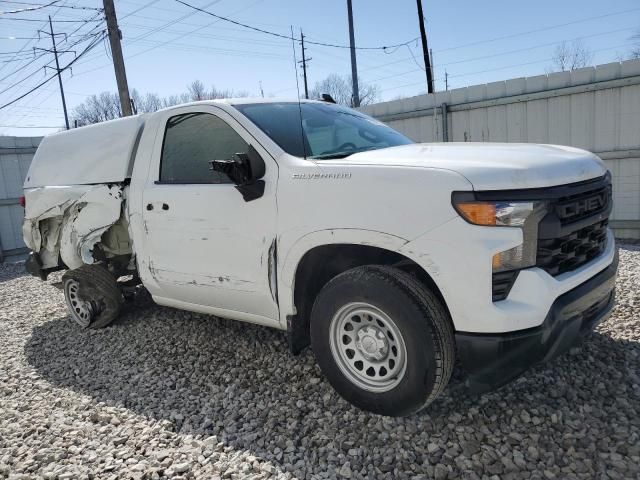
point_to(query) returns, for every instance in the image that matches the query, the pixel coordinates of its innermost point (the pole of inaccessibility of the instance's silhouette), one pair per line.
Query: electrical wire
(46, 20)
(538, 30)
(288, 37)
(506, 67)
(161, 44)
(519, 50)
(30, 9)
(26, 44)
(64, 44)
(92, 45)
(75, 7)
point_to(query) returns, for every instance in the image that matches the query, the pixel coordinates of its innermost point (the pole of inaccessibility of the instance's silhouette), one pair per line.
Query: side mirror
(245, 170)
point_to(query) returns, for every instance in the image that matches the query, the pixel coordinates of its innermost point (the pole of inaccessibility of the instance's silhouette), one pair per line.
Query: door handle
(164, 206)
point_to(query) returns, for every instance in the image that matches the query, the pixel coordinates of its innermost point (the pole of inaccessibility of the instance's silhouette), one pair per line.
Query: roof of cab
(244, 101)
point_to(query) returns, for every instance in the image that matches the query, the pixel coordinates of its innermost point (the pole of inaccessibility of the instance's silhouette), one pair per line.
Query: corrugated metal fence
(595, 108)
(15, 156)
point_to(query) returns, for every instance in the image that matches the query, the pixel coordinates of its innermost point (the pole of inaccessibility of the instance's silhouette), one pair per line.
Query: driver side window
(191, 140)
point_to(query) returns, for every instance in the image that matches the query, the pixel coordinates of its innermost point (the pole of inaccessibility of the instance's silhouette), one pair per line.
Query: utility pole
(425, 48)
(446, 81)
(304, 66)
(58, 70)
(118, 60)
(55, 54)
(433, 72)
(354, 66)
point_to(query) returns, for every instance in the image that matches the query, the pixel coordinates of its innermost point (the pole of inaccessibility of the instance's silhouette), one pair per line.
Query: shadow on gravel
(12, 271)
(210, 376)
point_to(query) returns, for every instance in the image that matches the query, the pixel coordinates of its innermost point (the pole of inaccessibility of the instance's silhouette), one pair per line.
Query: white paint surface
(98, 153)
(210, 251)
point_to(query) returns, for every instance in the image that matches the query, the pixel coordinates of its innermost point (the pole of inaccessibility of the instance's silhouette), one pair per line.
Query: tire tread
(438, 321)
(101, 279)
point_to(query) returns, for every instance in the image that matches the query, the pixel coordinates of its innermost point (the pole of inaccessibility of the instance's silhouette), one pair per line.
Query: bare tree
(172, 100)
(106, 106)
(197, 91)
(569, 56)
(150, 102)
(97, 108)
(339, 87)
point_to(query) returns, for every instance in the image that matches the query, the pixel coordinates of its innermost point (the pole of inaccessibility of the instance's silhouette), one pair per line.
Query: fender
(288, 263)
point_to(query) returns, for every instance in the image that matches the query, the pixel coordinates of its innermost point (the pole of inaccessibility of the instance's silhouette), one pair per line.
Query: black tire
(98, 286)
(422, 321)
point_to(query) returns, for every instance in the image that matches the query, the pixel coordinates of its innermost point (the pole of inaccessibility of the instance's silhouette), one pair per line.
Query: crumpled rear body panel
(67, 222)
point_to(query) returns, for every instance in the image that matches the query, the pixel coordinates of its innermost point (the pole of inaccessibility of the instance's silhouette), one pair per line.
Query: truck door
(206, 248)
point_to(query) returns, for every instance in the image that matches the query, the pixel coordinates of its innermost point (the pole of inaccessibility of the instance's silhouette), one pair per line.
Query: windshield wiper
(328, 156)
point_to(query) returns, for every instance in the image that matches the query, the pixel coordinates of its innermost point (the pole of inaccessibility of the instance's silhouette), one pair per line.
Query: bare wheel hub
(82, 311)
(372, 343)
(368, 347)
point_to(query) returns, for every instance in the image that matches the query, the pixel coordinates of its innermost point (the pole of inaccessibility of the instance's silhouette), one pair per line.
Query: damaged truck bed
(75, 194)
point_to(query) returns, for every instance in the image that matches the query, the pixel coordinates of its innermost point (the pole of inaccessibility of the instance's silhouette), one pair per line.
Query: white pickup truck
(392, 259)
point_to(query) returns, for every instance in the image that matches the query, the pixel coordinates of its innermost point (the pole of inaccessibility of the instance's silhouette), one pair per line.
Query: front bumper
(492, 360)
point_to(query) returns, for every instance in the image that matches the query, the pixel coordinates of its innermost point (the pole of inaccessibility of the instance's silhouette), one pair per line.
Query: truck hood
(490, 166)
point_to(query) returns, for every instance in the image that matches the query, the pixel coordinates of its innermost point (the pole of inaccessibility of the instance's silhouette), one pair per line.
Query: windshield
(326, 131)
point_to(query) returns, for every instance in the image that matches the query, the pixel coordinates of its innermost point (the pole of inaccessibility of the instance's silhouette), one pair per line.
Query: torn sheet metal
(69, 221)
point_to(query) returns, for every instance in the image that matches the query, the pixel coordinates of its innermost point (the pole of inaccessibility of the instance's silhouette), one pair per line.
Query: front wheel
(383, 340)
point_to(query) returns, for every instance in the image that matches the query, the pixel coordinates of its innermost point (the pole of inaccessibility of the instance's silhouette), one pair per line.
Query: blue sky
(167, 45)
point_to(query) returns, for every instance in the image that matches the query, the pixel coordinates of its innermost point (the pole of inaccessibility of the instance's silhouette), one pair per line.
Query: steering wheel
(341, 148)
(346, 146)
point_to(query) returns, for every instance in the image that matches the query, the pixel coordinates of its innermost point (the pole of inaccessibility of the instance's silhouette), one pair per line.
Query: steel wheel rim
(81, 310)
(368, 347)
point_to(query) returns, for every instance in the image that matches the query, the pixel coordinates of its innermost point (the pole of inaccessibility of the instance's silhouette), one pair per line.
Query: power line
(41, 20)
(74, 7)
(26, 44)
(30, 9)
(543, 29)
(67, 45)
(19, 38)
(136, 39)
(493, 55)
(95, 42)
(288, 37)
(506, 67)
(274, 43)
(19, 82)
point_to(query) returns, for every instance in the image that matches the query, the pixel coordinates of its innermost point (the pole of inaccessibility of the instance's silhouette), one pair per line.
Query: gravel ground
(165, 393)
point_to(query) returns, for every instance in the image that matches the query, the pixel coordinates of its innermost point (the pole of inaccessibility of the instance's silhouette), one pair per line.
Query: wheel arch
(318, 257)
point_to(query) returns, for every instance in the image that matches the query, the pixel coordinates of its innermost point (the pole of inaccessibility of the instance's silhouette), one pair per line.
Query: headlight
(525, 215)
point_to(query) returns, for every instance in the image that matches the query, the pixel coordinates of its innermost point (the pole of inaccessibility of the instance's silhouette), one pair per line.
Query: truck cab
(389, 258)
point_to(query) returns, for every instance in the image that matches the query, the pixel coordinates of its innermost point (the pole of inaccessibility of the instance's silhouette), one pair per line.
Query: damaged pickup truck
(390, 258)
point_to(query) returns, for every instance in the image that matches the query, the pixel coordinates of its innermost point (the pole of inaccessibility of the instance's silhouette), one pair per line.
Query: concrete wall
(15, 156)
(595, 108)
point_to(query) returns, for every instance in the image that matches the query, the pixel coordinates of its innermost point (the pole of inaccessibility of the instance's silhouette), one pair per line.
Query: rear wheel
(383, 340)
(92, 295)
